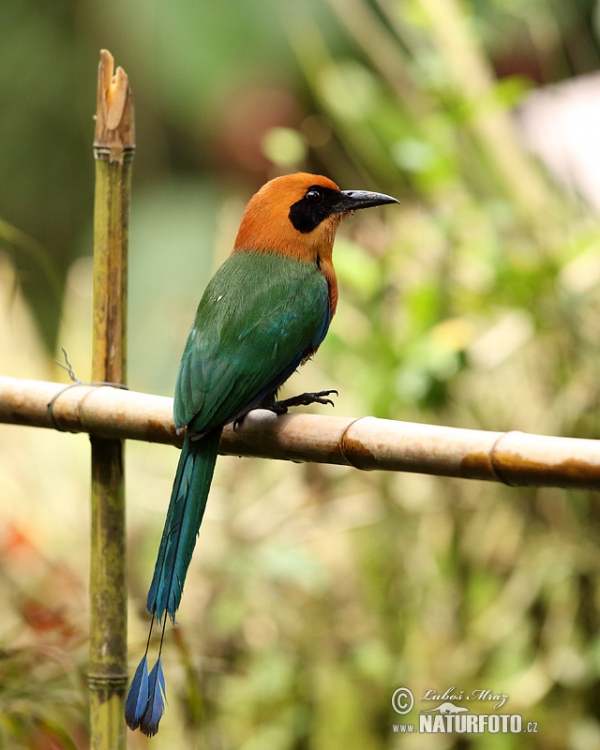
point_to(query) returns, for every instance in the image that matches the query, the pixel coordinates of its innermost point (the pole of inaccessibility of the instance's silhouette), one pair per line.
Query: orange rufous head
(298, 215)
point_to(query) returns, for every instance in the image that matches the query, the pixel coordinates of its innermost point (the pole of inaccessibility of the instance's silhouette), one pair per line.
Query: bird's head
(298, 215)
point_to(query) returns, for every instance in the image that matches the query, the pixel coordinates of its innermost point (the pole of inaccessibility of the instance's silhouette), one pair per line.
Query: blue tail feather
(156, 702)
(138, 696)
(145, 702)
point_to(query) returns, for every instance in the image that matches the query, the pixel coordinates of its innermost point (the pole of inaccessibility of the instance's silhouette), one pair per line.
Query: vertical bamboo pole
(114, 146)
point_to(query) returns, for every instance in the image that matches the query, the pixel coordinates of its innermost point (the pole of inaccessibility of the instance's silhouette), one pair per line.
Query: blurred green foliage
(315, 591)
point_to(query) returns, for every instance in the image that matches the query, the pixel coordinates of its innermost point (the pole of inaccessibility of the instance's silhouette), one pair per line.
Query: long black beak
(354, 199)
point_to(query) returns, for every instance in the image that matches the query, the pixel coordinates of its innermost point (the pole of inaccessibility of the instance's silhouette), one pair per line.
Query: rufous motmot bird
(263, 314)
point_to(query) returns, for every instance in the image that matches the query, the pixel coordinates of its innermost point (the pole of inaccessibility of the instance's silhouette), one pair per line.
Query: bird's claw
(281, 407)
(304, 399)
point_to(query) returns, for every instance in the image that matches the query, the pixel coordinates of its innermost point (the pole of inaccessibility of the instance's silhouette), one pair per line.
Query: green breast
(260, 315)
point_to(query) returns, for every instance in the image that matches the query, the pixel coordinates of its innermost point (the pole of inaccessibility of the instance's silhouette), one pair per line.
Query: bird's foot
(281, 407)
(304, 399)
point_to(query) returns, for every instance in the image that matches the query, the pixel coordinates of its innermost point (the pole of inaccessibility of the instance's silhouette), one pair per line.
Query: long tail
(145, 701)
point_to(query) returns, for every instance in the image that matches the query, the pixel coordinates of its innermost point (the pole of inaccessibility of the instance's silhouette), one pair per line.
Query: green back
(260, 315)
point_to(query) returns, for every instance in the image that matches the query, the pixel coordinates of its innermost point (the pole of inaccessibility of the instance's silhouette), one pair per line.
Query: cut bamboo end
(115, 122)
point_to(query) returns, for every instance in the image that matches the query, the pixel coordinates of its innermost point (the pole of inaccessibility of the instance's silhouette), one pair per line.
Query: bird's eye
(314, 195)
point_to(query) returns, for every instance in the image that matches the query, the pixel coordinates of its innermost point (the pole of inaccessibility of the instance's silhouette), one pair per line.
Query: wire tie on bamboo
(68, 367)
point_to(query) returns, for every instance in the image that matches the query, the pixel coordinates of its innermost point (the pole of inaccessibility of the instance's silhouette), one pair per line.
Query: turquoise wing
(260, 316)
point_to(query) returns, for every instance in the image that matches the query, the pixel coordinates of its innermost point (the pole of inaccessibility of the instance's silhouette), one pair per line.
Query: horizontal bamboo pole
(514, 458)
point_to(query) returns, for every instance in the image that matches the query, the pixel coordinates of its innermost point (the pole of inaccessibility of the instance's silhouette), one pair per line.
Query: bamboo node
(498, 466)
(352, 449)
(112, 682)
